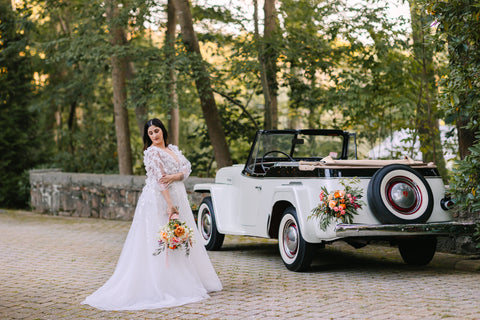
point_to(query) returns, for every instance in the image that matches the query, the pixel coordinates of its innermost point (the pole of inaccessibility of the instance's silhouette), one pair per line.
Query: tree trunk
(141, 117)
(204, 88)
(174, 119)
(466, 138)
(267, 114)
(141, 111)
(270, 58)
(427, 123)
(119, 74)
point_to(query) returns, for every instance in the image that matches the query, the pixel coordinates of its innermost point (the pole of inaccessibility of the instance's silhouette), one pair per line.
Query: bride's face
(156, 135)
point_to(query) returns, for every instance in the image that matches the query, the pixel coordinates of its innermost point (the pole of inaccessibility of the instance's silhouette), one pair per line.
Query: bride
(142, 280)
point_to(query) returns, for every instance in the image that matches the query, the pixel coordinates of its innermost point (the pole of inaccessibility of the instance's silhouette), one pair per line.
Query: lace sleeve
(185, 165)
(154, 166)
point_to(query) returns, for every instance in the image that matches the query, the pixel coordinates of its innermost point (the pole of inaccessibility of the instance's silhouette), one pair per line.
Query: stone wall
(92, 195)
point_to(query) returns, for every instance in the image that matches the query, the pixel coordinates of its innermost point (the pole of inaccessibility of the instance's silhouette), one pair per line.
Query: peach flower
(332, 204)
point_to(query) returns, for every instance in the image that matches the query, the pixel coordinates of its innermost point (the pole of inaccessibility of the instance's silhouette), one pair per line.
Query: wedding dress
(142, 280)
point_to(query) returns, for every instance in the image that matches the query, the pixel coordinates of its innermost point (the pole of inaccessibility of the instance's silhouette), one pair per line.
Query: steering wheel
(265, 169)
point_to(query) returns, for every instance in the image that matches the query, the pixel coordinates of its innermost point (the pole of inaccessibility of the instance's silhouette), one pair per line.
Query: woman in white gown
(142, 280)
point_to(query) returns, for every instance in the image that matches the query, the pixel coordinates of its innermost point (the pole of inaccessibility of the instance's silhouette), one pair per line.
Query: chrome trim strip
(435, 228)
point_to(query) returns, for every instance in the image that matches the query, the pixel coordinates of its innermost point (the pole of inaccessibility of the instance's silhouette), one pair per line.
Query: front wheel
(212, 239)
(296, 253)
(418, 251)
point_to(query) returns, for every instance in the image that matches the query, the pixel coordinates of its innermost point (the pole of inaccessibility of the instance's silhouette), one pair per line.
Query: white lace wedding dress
(142, 280)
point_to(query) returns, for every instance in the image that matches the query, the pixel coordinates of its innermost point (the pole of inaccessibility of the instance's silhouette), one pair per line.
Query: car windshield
(296, 145)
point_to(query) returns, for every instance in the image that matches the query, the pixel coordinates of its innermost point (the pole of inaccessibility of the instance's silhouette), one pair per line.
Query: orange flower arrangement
(338, 205)
(175, 234)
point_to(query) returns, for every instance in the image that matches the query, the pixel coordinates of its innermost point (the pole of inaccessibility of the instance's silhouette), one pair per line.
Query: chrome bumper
(379, 230)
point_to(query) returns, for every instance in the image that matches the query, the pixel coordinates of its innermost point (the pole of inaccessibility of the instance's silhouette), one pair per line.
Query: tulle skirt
(144, 281)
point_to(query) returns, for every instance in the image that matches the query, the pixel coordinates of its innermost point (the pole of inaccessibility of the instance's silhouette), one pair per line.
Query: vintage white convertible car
(274, 194)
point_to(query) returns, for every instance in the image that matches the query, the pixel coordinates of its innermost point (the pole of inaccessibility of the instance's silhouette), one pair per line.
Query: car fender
(438, 189)
(222, 196)
(299, 197)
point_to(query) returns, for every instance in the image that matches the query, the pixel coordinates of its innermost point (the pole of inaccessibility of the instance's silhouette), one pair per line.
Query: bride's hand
(167, 179)
(172, 213)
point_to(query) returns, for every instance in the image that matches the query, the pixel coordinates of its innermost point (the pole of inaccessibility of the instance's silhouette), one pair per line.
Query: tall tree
(267, 115)
(119, 73)
(268, 61)
(141, 110)
(174, 114)
(21, 138)
(458, 23)
(311, 53)
(458, 28)
(76, 98)
(424, 74)
(139, 12)
(203, 84)
(371, 90)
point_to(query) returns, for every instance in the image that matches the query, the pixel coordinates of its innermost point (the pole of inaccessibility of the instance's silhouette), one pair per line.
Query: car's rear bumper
(387, 230)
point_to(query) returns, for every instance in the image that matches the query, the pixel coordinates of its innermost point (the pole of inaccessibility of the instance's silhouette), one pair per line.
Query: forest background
(79, 78)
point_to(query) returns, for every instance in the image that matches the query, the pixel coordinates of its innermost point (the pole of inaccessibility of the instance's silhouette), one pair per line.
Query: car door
(252, 190)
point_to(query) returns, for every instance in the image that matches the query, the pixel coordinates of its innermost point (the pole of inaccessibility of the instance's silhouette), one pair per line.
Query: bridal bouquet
(175, 234)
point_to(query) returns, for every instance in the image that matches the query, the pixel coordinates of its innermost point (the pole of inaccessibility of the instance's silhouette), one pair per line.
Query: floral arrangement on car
(340, 205)
(174, 235)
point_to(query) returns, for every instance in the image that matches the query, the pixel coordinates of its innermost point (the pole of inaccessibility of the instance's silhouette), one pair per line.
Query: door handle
(258, 188)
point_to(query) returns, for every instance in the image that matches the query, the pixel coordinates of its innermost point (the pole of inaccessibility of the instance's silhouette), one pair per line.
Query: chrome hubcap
(206, 225)
(290, 239)
(403, 195)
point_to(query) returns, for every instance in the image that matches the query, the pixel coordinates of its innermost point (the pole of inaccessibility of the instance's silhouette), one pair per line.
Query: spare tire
(399, 194)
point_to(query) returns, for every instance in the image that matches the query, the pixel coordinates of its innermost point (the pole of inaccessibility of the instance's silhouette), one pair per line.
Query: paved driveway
(49, 264)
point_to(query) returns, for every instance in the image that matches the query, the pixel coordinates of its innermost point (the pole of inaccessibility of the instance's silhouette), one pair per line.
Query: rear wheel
(418, 251)
(296, 253)
(212, 239)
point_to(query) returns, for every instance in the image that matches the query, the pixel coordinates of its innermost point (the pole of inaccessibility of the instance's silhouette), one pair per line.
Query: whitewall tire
(212, 239)
(399, 194)
(296, 253)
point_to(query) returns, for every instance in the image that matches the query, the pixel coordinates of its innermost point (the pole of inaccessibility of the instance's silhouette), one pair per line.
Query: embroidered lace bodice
(159, 162)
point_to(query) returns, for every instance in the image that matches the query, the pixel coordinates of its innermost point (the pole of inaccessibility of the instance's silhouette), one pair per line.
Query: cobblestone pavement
(48, 265)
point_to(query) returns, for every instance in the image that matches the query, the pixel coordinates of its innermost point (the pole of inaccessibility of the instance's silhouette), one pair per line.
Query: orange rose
(343, 206)
(339, 193)
(179, 231)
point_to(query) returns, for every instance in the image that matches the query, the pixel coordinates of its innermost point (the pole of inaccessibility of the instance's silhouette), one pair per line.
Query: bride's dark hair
(147, 142)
